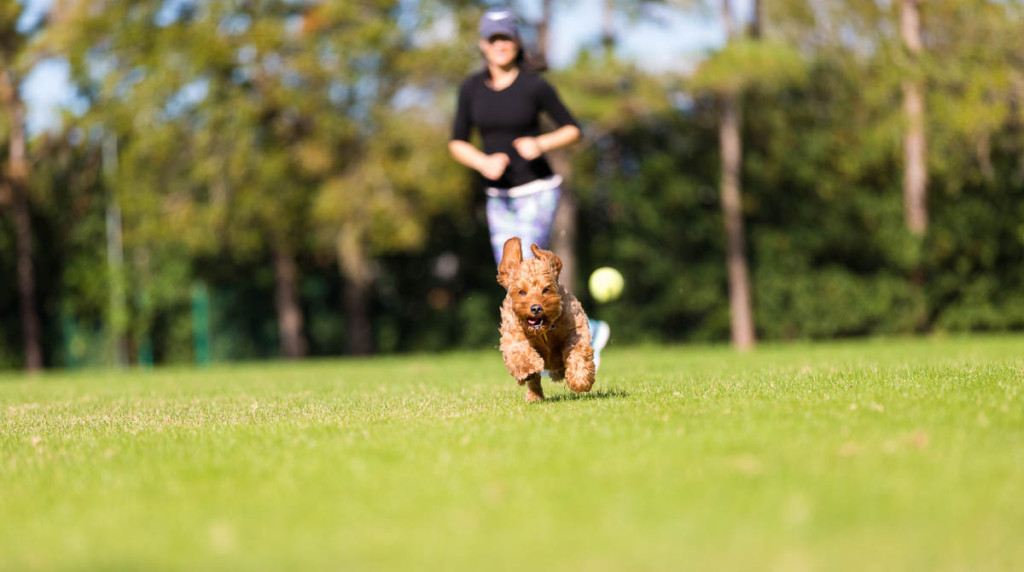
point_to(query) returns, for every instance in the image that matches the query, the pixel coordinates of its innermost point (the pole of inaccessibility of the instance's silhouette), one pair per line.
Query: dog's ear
(511, 256)
(548, 257)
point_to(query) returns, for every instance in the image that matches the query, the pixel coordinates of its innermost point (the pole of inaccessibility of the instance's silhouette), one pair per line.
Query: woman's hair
(530, 62)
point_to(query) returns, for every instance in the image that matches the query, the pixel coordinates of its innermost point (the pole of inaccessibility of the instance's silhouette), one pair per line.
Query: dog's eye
(545, 290)
(522, 292)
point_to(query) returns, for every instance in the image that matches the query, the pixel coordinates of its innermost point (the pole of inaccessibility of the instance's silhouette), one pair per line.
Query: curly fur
(543, 325)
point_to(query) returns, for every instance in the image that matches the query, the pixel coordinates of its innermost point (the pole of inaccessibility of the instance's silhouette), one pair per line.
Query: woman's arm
(490, 166)
(532, 147)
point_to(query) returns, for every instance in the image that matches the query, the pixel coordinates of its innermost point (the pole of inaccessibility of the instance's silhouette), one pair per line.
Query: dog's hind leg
(534, 392)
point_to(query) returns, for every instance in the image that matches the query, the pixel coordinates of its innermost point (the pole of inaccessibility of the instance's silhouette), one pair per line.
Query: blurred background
(197, 182)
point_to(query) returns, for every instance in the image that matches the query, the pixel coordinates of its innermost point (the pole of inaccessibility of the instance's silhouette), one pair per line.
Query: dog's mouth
(536, 322)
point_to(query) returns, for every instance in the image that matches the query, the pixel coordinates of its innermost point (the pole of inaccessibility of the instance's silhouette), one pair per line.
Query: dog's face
(532, 284)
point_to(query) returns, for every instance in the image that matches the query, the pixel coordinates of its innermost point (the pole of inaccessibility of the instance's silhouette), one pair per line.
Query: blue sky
(665, 39)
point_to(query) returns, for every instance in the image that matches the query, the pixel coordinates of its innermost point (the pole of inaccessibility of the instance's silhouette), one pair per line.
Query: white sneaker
(600, 333)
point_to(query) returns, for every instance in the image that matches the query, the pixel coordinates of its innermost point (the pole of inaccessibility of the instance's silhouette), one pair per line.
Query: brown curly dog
(543, 326)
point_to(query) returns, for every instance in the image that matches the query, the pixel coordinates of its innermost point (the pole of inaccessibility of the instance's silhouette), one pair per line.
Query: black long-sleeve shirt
(505, 115)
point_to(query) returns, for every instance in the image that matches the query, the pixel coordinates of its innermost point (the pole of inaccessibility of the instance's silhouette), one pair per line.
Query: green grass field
(872, 455)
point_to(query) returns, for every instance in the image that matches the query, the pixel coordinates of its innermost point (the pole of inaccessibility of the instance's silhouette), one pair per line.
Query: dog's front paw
(522, 361)
(580, 385)
(579, 371)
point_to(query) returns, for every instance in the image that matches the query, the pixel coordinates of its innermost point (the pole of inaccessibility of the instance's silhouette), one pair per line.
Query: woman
(504, 102)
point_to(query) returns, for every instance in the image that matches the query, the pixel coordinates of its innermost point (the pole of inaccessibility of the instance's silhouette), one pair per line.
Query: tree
(392, 174)
(746, 61)
(14, 186)
(731, 145)
(958, 60)
(915, 146)
(563, 229)
(225, 80)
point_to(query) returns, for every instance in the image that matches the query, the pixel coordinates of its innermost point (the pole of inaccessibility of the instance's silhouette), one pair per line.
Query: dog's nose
(536, 309)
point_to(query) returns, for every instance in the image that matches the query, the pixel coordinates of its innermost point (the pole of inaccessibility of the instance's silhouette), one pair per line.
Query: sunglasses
(500, 38)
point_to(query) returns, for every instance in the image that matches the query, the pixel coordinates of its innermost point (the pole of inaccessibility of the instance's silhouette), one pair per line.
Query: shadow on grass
(599, 394)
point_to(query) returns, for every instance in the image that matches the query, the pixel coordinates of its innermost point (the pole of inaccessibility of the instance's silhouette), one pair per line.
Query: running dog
(543, 326)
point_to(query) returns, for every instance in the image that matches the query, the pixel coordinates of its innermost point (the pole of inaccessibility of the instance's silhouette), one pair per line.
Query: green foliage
(610, 94)
(241, 127)
(746, 63)
(643, 206)
(401, 179)
(829, 252)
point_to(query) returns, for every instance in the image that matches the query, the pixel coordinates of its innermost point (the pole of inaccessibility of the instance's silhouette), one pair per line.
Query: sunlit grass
(878, 455)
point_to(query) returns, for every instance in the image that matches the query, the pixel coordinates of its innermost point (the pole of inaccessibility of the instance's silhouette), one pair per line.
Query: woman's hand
(490, 166)
(493, 166)
(528, 148)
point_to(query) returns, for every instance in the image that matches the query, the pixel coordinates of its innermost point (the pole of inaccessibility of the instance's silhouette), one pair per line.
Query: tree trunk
(358, 276)
(736, 259)
(731, 147)
(26, 282)
(728, 21)
(563, 231)
(983, 151)
(542, 35)
(608, 27)
(286, 298)
(1017, 125)
(915, 174)
(757, 23)
(17, 183)
(117, 312)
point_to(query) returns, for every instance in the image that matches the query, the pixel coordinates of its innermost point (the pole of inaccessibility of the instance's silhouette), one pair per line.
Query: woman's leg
(600, 333)
(530, 218)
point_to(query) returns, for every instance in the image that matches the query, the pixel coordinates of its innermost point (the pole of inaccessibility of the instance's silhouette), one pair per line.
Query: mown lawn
(871, 455)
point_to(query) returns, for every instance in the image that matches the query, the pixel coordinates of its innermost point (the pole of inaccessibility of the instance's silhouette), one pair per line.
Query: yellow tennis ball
(606, 284)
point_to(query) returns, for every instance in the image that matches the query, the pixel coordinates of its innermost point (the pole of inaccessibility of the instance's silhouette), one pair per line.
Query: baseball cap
(499, 21)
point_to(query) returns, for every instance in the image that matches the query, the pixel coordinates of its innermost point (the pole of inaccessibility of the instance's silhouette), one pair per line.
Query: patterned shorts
(529, 217)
